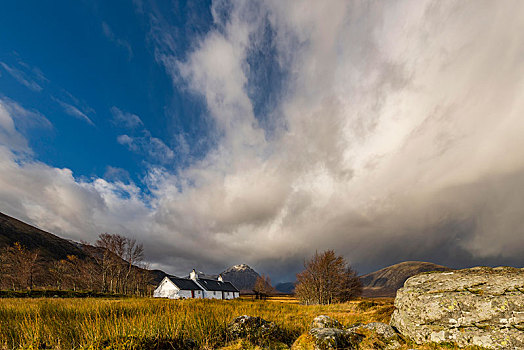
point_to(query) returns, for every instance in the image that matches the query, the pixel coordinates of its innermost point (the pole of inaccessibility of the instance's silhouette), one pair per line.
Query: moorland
(147, 323)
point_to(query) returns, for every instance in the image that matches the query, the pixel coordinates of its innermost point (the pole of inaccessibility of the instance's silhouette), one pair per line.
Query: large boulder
(480, 306)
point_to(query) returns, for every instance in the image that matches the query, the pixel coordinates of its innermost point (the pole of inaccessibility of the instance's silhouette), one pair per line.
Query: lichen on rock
(254, 329)
(327, 333)
(324, 321)
(480, 306)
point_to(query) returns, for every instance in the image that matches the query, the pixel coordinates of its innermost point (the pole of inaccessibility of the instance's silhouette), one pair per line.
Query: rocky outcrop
(327, 333)
(480, 306)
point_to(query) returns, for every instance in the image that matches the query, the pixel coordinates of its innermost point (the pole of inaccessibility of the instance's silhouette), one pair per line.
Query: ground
(145, 323)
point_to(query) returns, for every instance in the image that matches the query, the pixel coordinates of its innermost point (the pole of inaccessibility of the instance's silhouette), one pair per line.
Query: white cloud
(386, 105)
(74, 111)
(125, 119)
(109, 34)
(8, 133)
(125, 140)
(401, 139)
(148, 145)
(11, 133)
(21, 77)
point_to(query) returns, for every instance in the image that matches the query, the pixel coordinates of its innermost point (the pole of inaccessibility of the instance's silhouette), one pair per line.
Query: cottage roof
(184, 283)
(214, 285)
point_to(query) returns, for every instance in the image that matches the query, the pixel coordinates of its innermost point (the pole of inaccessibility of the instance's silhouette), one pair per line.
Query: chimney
(220, 278)
(193, 275)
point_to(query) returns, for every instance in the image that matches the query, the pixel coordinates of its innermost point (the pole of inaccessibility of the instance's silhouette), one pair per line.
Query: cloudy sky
(222, 132)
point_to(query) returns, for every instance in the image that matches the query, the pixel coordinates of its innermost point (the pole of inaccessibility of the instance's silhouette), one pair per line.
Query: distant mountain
(385, 282)
(285, 287)
(242, 276)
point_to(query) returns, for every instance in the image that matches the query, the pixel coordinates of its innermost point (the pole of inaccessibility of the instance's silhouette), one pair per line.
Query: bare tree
(133, 254)
(119, 260)
(263, 287)
(327, 278)
(21, 265)
(6, 280)
(111, 260)
(58, 271)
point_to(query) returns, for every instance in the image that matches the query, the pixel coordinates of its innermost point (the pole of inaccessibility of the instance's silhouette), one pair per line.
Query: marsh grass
(137, 323)
(144, 323)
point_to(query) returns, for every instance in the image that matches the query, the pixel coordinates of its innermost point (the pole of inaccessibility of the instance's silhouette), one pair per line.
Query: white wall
(229, 295)
(212, 295)
(167, 289)
(184, 294)
(199, 294)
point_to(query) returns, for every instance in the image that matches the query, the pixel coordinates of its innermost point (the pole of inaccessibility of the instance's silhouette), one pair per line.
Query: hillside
(385, 282)
(51, 247)
(242, 276)
(285, 287)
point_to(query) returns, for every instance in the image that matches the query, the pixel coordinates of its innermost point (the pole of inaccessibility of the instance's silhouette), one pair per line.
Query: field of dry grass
(143, 323)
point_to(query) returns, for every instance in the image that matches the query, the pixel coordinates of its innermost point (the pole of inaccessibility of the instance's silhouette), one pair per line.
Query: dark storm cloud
(397, 135)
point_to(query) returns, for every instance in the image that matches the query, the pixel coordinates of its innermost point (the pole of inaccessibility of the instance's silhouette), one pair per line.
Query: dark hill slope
(386, 281)
(51, 247)
(285, 287)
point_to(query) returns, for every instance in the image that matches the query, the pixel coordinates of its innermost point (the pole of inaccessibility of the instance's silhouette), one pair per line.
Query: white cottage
(194, 287)
(178, 288)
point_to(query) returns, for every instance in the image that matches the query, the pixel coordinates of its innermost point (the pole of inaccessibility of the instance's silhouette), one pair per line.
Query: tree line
(326, 279)
(115, 264)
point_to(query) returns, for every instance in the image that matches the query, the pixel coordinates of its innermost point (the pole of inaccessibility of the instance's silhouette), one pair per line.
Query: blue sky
(76, 62)
(221, 132)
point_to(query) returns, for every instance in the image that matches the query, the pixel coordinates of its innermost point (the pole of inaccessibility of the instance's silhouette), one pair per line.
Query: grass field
(143, 323)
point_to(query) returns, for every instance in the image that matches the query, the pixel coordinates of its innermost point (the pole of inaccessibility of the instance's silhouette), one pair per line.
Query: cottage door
(223, 297)
(193, 294)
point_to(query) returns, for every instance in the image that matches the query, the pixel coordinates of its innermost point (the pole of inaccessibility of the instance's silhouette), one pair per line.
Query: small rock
(255, 329)
(328, 338)
(382, 329)
(324, 321)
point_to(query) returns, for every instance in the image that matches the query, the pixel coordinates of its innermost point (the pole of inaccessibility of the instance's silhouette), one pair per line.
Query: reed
(134, 323)
(145, 323)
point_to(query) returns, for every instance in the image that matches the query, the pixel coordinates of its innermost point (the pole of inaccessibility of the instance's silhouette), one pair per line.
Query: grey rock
(335, 338)
(252, 328)
(480, 306)
(324, 321)
(385, 330)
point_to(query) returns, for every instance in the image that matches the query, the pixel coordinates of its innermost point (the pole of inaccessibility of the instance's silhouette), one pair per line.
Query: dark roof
(184, 283)
(215, 285)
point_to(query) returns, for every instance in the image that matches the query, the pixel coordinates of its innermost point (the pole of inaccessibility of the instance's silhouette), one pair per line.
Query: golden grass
(144, 323)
